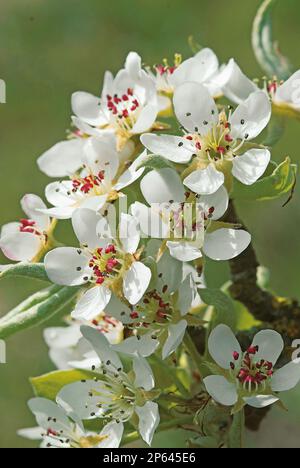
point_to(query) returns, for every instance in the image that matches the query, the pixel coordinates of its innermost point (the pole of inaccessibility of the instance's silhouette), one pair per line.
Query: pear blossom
(249, 378)
(216, 143)
(159, 321)
(104, 263)
(128, 103)
(59, 428)
(115, 394)
(165, 217)
(27, 239)
(101, 181)
(68, 348)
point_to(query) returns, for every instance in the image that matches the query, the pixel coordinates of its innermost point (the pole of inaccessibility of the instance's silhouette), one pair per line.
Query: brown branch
(282, 313)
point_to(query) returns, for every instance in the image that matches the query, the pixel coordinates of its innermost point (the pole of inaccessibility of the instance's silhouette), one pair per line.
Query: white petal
(225, 244)
(100, 154)
(145, 346)
(235, 84)
(261, 401)
(87, 107)
(10, 228)
(251, 117)
(205, 181)
(151, 222)
(118, 310)
(287, 377)
(113, 433)
(31, 204)
(66, 266)
(60, 193)
(218, 200)
(288, 92)
(195, 108)
(270, 345)
(143, 374)
(43, 409)
(94, 203)
(184, 251)
(169, 271)
(102, 347)
(250, 166)
(197, 69)
(222, 344)
(162, 186)
(71, 397)
(146, 119)
(133, 65)
(60, 212)
(148, 420)
(174, 148)
(92, 303)
(176, 334)
(132, 174)
(31, 433)
(136, 282)
(62, 337)
(84, 223)
(104, 231)
(186, 295)
(129, 233)
(62, 159)
(21, 246)
(221, 390)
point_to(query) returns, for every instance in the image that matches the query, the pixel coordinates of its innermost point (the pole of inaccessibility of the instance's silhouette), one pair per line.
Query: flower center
(106, 263)
(124, 110)
(94, 184)
(26, 225)
(250, 372)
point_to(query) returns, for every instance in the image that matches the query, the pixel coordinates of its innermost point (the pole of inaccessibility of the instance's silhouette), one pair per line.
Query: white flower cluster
(139, 273)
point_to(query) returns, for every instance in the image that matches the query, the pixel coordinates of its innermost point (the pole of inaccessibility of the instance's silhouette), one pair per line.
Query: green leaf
(223, 305)
(39, 313)
(49, 385)
(266, 51)
(280, 182)
(28, 270)
(157, 162)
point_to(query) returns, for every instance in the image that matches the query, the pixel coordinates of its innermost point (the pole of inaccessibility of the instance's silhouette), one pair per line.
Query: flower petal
(221, 390)
(151, 222)
(145, 345)
(288, 92)
(186, 294)
(132, 174)
(84, 223)
(287, 377)
(184, 251)
(250, 166)
(146, 119)
(162, 186)
(218, 200)
(129, 233)
(176, 334)
(87, 107)
(225, 244)
(43, 409)
(133, 65)
(197, 69)
(67, 266)
(21, 246)
(148, 420)
(92, 303)
(195, 108)
(222, 344)
(62, 159)
(261, 401)
(174, 148)
(143, 374)
(112, 433)
(102, 347)
(31, 433)
(251, 117)
(100, 154)
(270, 345)
(205, 181)
(136, 282)
(31, 204)
(235, 84)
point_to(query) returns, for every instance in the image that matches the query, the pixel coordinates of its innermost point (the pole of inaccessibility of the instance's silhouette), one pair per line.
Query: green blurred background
(50, 48)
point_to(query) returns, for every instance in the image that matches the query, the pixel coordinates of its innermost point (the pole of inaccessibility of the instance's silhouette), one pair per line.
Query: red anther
(134, 315)
(228, 138)
(252, 350)
(130, 91)
(227, 125)
(125, 97)
(110, 320)
(270, 373)
(110, 249)
(189, 137)
(125, 113)
(161, 313)
(117, 100)
(268, 365)
(95, 322)
(27, 223)
(100, 280)
(146, 301)
(221, 149)
(198, 145)
(211, 210)
(136, 102)
(236, 356)
(50, 432)
(161, 69)
(162, 304)
(232, 366)
(108, 97)
(165, 288)
(171, 70)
